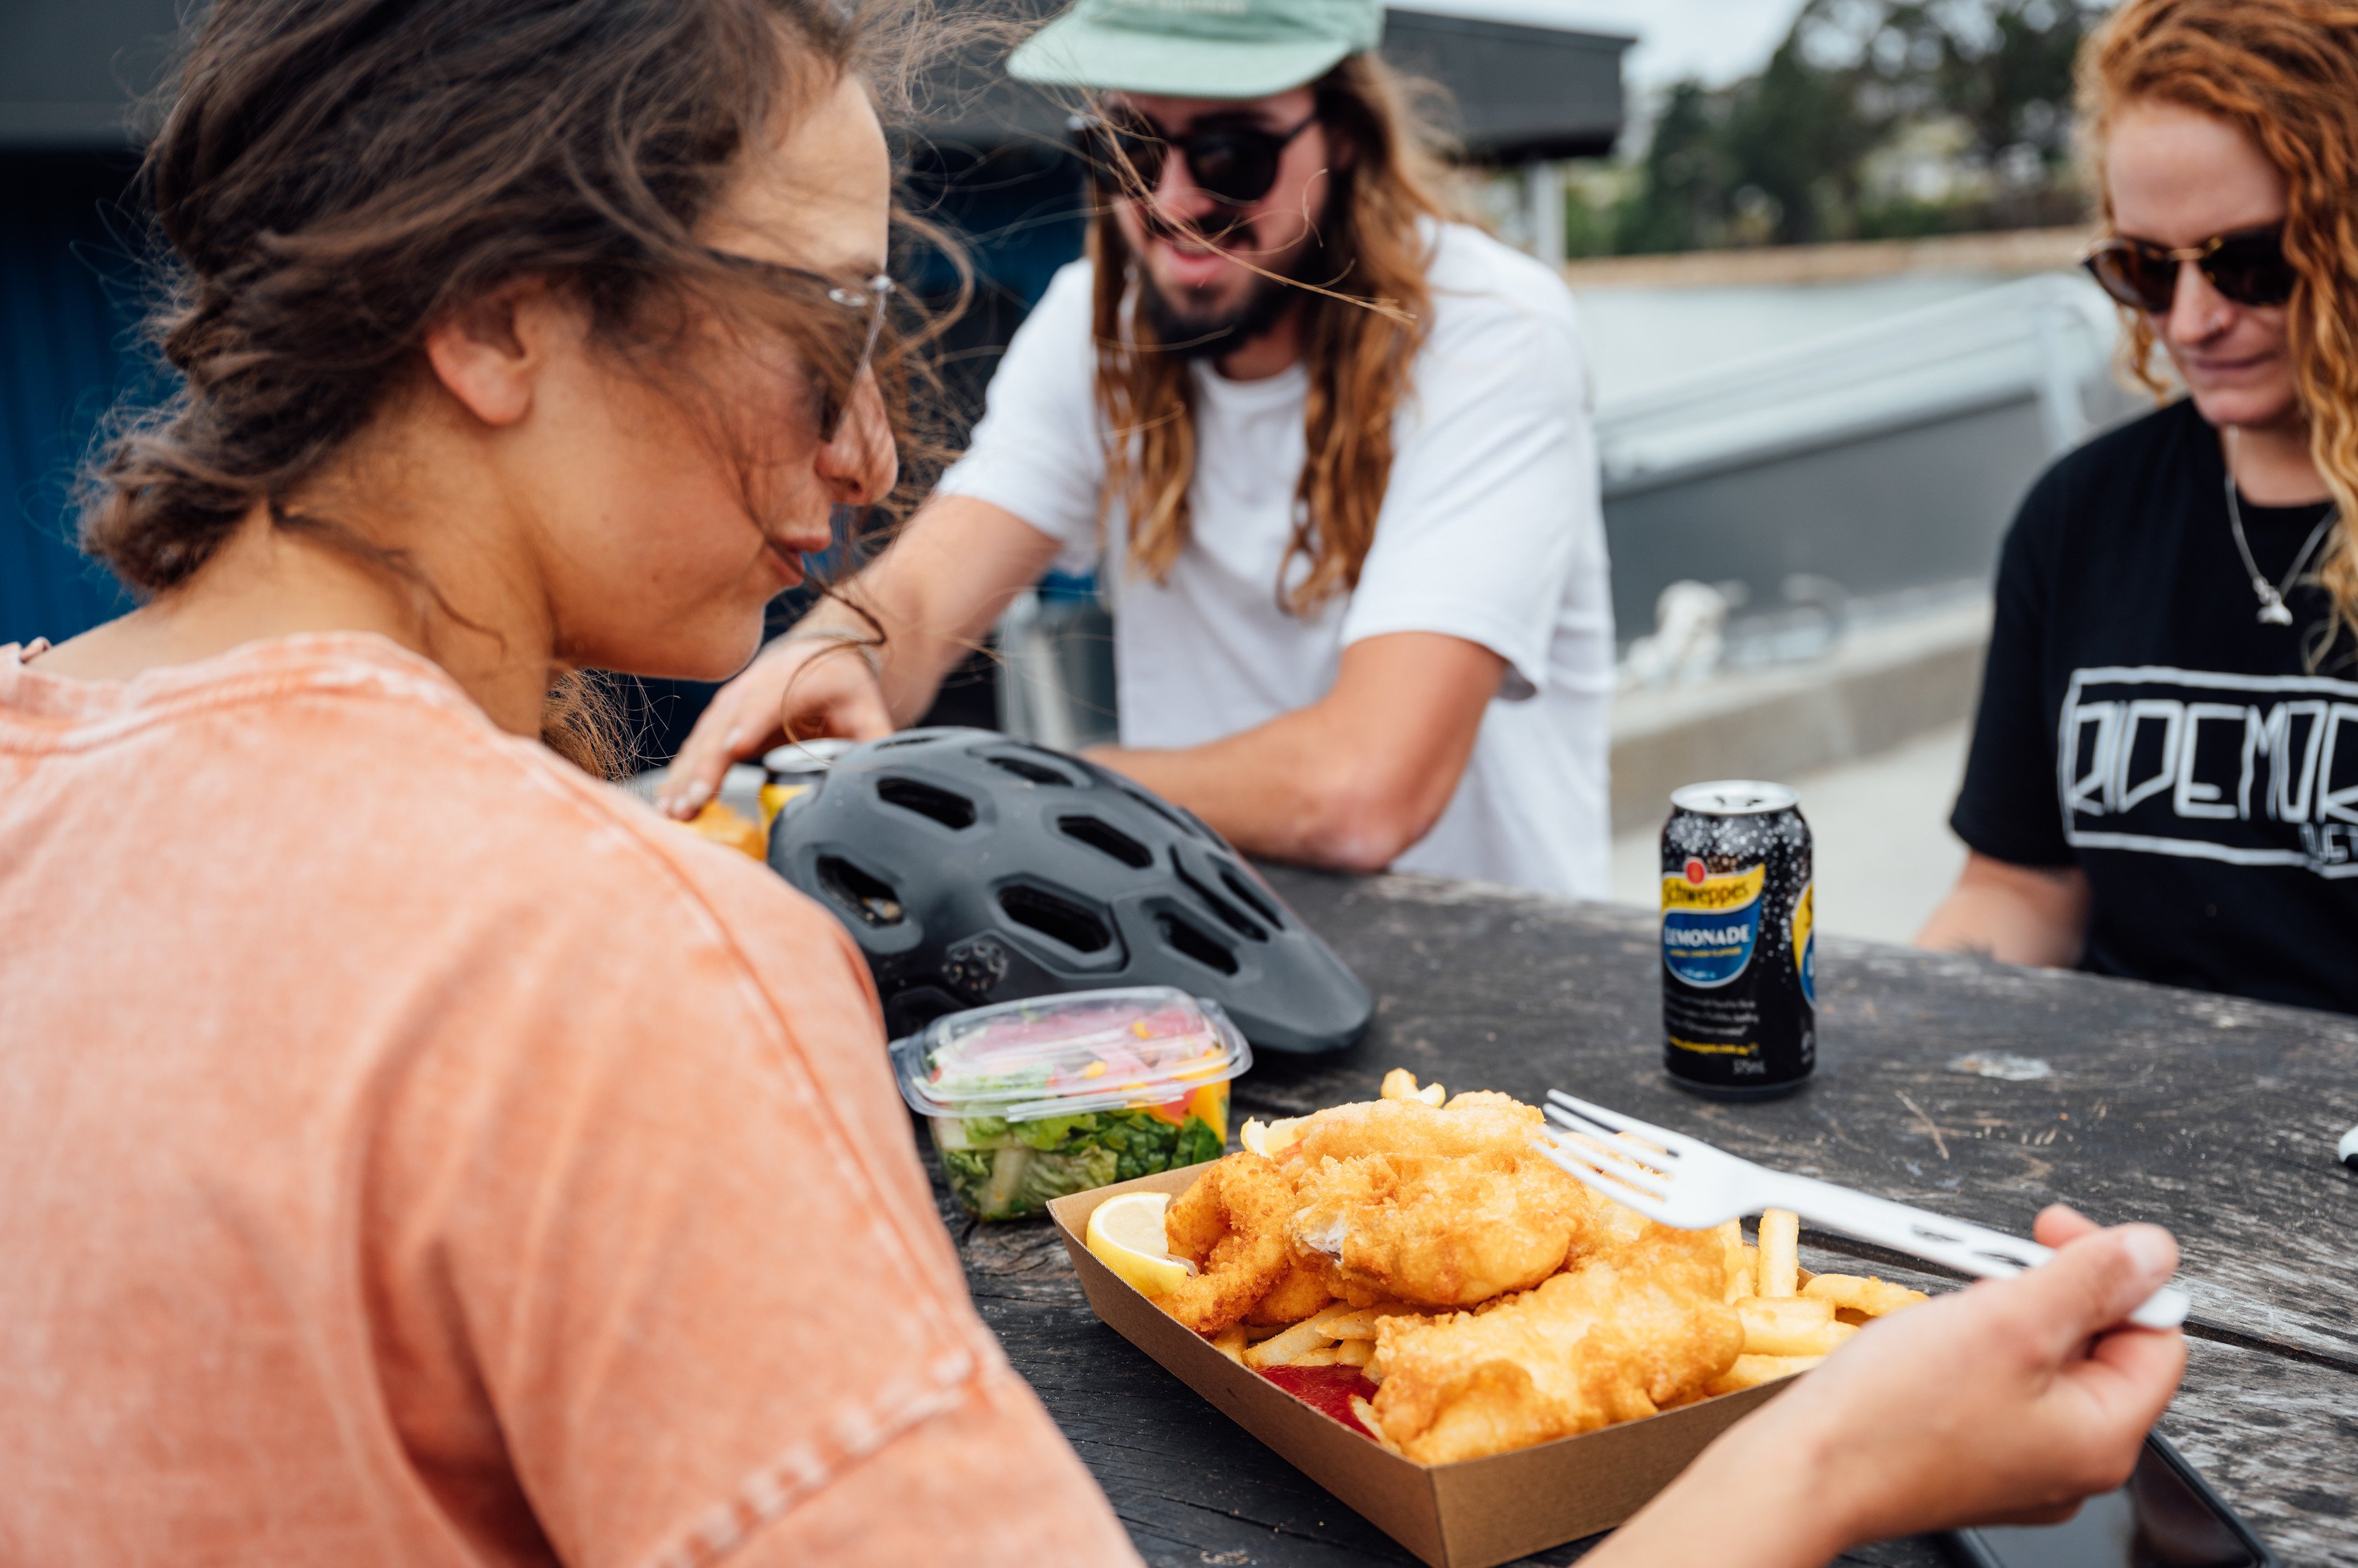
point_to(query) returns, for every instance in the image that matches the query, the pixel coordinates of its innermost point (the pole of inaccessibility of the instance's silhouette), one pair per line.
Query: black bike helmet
(974, 867)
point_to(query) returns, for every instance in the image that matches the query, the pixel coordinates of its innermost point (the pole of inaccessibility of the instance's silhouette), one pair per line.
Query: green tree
(1799, 135)
(1782, 157)
(1684, 191)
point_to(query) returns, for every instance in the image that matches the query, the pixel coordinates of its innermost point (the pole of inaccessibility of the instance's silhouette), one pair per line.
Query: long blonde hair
(2286, 72)
(1363, 322)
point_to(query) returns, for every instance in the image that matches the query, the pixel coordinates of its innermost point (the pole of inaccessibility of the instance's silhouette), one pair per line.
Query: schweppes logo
(1693, 888)
(1710, 924)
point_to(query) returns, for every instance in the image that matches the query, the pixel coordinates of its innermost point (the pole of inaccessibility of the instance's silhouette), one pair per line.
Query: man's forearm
(934, 593)
(1281, 791)
(1296, 788)
(1354, 779)
(886, 608)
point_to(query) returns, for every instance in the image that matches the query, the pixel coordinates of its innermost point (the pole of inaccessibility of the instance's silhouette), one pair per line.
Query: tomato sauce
(1327, 1389)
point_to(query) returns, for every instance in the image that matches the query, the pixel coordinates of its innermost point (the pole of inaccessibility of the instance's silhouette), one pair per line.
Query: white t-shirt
(1490, 531)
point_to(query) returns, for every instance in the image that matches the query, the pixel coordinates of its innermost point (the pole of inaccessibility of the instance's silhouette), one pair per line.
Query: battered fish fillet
(1440, 1206)
(1618, 1336)
(1473, 1123)
(1232, 1226)
(1440, 1230)
(1308, 1286)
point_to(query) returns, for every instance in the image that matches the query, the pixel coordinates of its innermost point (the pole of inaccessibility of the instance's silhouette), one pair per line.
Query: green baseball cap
(1197, 48)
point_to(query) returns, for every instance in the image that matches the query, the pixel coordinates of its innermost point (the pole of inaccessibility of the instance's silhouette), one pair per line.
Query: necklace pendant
(2274, 613)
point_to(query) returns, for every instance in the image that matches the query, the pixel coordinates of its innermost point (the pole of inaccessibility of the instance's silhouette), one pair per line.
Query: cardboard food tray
(1471, 1514)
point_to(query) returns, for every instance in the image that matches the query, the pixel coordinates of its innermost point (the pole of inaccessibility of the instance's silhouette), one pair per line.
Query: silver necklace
(2273, 612)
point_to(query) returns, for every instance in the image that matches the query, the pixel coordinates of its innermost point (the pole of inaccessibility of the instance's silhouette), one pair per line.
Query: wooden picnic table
(2213, 1116)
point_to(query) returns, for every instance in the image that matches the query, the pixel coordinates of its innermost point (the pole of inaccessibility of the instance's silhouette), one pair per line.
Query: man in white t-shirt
(1327, 452)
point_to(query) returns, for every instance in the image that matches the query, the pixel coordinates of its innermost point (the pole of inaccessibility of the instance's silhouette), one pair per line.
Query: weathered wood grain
(2278, 1440)
(2214, 1117)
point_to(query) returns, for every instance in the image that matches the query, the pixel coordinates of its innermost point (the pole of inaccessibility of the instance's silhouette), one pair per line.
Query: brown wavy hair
(2286, 72)
(1366, 306)
(332, 176)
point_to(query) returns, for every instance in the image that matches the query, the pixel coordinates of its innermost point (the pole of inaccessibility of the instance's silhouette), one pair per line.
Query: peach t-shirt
(415, 1152)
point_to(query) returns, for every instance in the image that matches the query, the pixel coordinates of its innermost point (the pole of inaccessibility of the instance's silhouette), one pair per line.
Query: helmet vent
(1107, 839)
(1162, 809)
(1197, 825)
(1249, 898)
(1231, 916)
(1024, 768)
(1056, 918)
(953, 811)
(1188, 940)
(871, 899)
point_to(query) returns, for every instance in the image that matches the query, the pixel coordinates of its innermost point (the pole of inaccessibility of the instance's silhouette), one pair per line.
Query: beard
(1189, 327)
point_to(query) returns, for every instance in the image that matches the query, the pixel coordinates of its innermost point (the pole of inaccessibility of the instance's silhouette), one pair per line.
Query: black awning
(1516, 91)
(69, 74)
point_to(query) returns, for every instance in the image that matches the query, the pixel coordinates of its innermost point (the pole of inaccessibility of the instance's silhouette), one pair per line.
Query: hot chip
(1288, 1347)
(1751, 1371)
(1790, 1326)
(1780, 1245)
(1864, 1294)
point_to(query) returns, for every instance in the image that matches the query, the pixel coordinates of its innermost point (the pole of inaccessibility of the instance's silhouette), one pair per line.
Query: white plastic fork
(1686, 1183)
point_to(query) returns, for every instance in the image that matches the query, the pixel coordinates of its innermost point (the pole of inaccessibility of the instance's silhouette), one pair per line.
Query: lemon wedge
(1126, 1236)
(1271, 1139)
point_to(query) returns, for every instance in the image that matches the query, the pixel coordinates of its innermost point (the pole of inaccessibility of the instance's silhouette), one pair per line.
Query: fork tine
(1576, 1122)
(1673, 1142)
(1626, 1145)
(1644, 1200)
(1615, 1156)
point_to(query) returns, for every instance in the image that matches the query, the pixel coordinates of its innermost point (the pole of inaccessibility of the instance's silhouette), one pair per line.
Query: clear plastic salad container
(1030, 1100)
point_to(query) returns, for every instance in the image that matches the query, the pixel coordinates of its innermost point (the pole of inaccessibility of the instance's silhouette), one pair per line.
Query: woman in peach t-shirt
(415, 1151)
(412, 1152)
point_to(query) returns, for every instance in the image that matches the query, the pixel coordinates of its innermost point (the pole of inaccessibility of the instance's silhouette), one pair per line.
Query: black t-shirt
(2137, 721)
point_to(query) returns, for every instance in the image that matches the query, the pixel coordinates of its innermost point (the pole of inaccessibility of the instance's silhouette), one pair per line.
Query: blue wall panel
(68, 315)
(70, 304)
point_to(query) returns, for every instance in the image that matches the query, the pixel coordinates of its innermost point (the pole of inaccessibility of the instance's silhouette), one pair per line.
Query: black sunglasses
(2247, 266)
(1234, 161)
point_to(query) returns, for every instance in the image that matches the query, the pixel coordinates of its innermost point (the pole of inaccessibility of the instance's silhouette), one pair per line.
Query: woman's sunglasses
(2248, 267)
(871, 298)
(1234, 161)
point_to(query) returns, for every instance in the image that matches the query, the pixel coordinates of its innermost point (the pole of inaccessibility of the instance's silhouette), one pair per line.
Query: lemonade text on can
(1739, 951)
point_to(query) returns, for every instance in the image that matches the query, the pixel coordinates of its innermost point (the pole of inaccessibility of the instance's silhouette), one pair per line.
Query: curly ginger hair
(2286, 73)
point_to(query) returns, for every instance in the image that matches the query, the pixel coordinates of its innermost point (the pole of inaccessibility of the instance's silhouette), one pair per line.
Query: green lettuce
(1002, 1170)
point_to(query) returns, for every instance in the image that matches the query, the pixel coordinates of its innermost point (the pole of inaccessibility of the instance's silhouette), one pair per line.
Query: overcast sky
(1718, 40)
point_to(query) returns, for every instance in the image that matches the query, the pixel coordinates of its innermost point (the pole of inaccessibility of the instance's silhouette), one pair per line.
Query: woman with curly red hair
(2164, 776)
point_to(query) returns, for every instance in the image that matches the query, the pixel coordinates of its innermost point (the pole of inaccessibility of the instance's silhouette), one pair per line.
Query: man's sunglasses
(871, 297)
(1233, 161)
(2248, 267)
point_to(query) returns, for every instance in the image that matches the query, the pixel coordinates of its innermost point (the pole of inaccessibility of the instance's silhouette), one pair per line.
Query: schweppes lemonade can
(1739, 958)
